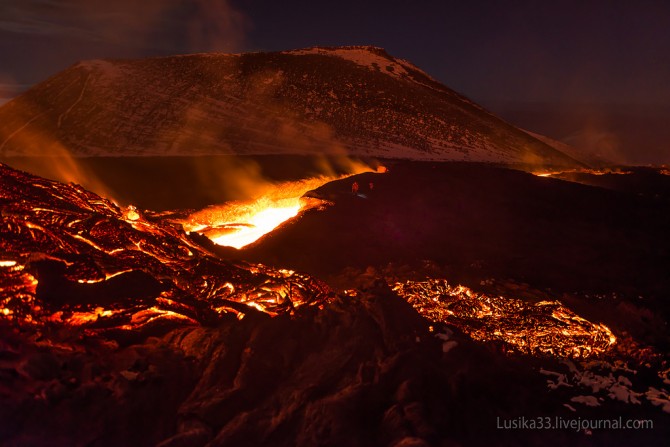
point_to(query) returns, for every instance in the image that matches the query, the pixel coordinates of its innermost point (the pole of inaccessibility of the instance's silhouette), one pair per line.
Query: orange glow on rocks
(240, 223)
(545, 327)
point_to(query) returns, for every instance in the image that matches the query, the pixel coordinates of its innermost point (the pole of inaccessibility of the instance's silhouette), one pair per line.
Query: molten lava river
(240, 223)
(71, 257)
(86, 282)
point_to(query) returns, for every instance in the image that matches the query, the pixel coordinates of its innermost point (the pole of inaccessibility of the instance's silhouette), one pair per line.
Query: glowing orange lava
(239, 223)
(606, 171)
(544, 327)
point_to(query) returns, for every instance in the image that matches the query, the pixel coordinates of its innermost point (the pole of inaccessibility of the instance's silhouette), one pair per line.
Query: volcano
(325, 247)
(358, 101)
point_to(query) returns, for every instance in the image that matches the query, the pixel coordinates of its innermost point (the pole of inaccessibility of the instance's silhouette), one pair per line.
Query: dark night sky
(534, 62)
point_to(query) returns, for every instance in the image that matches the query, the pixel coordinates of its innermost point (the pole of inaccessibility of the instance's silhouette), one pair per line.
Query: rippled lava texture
(117, 329)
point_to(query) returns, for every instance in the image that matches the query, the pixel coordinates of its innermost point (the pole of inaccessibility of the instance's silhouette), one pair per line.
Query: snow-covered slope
(355, 100)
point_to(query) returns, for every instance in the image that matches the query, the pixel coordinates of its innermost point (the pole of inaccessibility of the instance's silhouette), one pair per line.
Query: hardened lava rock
(68, 255)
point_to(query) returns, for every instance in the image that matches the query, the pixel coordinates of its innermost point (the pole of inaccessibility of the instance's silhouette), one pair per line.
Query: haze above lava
(325, 246)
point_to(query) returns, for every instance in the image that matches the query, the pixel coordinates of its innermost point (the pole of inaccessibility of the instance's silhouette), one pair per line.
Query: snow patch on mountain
(372, 58)
(107, 71)
(355, 100)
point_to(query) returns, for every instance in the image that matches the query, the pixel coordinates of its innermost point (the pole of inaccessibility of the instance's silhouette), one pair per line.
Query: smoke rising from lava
(107, 29)
(283, 132)
(55, 161)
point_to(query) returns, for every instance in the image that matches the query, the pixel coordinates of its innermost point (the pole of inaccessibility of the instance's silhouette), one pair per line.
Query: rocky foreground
(120, 329)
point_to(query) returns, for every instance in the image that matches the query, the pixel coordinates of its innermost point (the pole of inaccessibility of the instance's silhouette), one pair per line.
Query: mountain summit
(356, 100)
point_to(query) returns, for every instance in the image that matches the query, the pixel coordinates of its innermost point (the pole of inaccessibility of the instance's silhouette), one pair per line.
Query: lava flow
(70, 257)
(545, 327)
(239, 223)
(606, 171)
